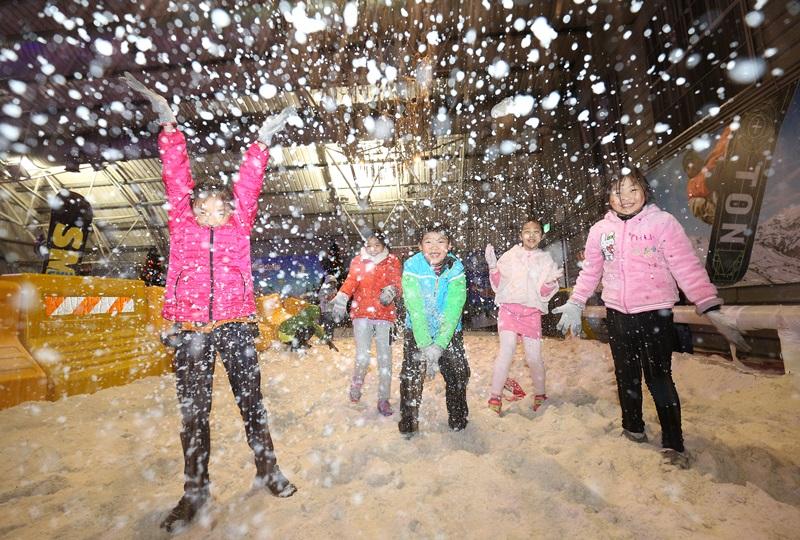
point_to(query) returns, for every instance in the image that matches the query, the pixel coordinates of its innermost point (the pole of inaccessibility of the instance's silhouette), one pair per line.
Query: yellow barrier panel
(21, 378)
(272, 311)
(88, 333)
(155, 322)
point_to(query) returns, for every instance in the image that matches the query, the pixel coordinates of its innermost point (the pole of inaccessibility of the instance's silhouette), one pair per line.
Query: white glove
(387, 295)
(491, 258)
(726, 326)
(431, 355)
(339, 306)
(159, 103)
(274, 124)
(570, 318)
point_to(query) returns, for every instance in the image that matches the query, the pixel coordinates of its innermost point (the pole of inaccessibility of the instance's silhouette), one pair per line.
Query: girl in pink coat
(524, 280)
(209, 294)
(643, 255)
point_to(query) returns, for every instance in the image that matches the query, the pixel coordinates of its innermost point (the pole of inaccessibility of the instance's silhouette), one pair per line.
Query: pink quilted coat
(642, 262)
(209, 276)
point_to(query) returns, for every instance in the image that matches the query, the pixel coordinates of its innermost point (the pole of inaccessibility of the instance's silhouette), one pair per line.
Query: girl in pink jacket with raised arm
(640, 252)
(209, 294)
(524, 280)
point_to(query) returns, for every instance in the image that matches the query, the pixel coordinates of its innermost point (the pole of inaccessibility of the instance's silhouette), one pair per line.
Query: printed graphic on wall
(736, 193)
(70, 222)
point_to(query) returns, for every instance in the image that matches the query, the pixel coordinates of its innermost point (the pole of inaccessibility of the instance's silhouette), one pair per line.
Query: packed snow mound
(782, 232)
(109, 464)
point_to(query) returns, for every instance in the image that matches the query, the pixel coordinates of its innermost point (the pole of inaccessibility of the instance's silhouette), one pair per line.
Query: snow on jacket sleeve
(453, 308)
(351, 283)
(247, 188)
(415, 306)
(176, 173)
(686, 268)
(592, 271)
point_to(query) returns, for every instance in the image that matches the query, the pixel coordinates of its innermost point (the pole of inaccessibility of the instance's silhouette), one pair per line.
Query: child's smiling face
(531, 235)
(374, 246)
(211, 212)
(434, 247)
(627, 197)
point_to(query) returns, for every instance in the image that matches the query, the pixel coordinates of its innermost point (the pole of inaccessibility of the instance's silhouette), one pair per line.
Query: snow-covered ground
(109, 465)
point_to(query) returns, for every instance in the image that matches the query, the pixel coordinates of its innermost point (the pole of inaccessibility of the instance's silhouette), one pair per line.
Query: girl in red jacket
(209, 294)
(640, 252)
(373, 283)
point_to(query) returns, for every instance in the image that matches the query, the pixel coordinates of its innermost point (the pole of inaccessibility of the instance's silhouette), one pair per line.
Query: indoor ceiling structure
(408, 110)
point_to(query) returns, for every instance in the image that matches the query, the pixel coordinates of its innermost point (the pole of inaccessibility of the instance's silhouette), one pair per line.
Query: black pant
(194, 374)
(642, 343)
(455, 370)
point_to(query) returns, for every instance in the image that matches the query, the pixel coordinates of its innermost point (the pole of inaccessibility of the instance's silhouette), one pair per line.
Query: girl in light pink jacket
(524, 280)
(209, 294)
(643, 255)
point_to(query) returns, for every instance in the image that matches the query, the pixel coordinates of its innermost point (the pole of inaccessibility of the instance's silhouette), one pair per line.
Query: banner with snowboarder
(735, 192)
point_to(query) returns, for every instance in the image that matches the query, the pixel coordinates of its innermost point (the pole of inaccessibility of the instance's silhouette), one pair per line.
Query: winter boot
(538, 401)
(276, 483)
(495, 404)
(185, 511)
(385, 408)
(408, 426)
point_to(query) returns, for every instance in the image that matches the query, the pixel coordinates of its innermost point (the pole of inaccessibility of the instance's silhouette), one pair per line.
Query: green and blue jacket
(434, 304)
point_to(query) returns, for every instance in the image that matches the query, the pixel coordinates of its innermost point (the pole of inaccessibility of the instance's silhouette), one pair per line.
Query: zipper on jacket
(621, 266)
(211, 274)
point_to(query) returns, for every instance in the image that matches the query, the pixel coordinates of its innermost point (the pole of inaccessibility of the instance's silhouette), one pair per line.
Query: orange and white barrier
(87, 305)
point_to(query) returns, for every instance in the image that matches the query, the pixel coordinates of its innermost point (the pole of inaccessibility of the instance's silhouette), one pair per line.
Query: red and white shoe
(517, 393)
(495, 404)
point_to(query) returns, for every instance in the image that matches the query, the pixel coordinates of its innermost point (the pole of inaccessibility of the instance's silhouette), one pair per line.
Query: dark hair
(205, 190)
(533, 220)
(434, 226)
(635, 175)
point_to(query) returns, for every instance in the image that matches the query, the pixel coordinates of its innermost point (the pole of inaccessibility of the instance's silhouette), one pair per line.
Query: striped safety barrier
(56, 306)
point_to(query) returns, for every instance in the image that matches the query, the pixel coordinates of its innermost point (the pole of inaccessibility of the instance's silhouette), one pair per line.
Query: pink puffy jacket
(210, 276)
(640, 260)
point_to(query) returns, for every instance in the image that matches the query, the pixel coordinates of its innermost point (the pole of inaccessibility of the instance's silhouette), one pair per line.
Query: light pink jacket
(210, 276)
(525, 277)
(639, 261)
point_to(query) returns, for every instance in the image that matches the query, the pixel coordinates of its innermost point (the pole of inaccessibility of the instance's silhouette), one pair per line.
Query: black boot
(185, 511)
(408, 426)
(276, 483)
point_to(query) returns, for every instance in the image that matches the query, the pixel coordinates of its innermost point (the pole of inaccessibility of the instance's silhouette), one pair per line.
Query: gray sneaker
(635, 437)
(673, 457)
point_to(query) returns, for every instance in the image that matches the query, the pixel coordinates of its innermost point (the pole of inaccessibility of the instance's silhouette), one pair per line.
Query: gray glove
(726, 326)
(387, 295)
(159, 103)
(339, 306)
(491, 257)
(431, 355)
(274, 124)
(570, 318)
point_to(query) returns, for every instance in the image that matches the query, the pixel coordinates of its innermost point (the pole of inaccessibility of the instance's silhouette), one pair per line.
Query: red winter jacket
(210, 276)
(640, 260)
(367, 276)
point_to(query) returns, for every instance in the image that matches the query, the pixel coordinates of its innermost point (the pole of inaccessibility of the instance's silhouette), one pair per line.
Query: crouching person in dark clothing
(435, 290)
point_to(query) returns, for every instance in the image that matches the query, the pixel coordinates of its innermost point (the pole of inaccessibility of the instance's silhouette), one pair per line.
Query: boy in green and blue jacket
(435, 290)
